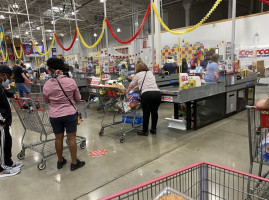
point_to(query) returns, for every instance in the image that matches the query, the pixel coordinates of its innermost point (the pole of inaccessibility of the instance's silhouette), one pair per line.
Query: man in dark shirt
(205, 62)
(170, 66)
(20, 78)
(7, 166)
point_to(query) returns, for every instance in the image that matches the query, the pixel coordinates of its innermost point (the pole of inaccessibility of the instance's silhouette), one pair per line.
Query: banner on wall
(249, 56)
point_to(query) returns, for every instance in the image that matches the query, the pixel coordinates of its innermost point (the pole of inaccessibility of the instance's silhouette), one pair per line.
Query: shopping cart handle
(250, 107)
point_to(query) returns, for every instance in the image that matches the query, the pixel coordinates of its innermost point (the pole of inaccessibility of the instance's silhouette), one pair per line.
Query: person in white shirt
(145, 81)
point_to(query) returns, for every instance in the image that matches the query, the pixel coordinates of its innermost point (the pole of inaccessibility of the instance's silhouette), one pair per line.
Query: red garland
(72, 44)
(138, 31)
(31, 49)
(265, 1)
(13, 56)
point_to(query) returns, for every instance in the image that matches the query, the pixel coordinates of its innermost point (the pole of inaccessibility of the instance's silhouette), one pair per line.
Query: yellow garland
(18, 56)
(97, 42)
(49, 50)
(3, 55)
(189, 29)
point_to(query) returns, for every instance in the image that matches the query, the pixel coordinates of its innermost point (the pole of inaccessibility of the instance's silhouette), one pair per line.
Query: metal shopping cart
(112, 100)
(34, 117)
(201, 181)
(258, 133)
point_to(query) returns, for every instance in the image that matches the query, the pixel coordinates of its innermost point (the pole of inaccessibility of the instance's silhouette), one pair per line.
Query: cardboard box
(260, 68)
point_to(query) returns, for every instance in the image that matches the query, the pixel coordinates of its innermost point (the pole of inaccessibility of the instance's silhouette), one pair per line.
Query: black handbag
(77, 113)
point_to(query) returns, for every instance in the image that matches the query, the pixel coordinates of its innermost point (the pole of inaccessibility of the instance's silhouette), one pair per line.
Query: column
(230, 8)
(157, 35)
(187, 7)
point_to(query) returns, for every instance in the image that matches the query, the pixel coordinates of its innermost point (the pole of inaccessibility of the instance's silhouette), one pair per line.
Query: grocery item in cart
(171, 194)
(124, 106)
(133, 99)
(264, 149)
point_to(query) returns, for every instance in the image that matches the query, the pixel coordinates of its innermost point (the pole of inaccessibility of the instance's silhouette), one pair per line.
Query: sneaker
(9, 172)
(17, 165)
(79, 164)
(61, 164)
(153, 131)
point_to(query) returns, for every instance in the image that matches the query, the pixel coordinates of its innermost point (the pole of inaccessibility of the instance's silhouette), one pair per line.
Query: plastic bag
(264, 149)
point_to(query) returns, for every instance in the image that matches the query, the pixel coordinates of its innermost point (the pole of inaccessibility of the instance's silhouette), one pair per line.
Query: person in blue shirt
(170, 66)
(212, 70)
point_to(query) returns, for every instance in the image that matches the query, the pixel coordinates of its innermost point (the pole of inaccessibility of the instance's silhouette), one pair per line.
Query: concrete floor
(126, 164)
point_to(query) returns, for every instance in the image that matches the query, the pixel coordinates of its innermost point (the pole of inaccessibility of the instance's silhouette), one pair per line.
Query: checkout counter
(208, 103)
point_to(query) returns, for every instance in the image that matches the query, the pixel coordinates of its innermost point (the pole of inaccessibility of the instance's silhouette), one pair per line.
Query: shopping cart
(34, 117)
(258, 133)
(112, 100)
(203, 181)
(93, 90)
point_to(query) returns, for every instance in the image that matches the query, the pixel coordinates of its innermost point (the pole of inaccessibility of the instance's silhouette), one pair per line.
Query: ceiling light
(36, 42)
(38, 28)
(61, 34)
(118, 30)
(102, 1)
(94, 35)
(77, 39)
(26, 33)
(49, 31)
(2, 17)
(73, 13)
(15, 5)
(52, 22)
(17, 36)
(50, 38)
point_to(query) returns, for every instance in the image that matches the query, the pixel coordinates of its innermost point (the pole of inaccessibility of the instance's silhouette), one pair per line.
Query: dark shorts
(66, 123)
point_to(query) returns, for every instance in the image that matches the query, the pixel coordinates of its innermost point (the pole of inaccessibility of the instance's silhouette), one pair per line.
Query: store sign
(167, 98)
(249, 53)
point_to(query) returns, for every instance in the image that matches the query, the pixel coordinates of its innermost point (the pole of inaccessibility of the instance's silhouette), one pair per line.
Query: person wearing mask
(184, 66)
(20, 78)
(145, 81)
(7, 166)
(205, 62)
(212, 70)
(61, 93)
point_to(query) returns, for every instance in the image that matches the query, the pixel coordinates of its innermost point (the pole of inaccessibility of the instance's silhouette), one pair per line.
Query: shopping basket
(201, 181)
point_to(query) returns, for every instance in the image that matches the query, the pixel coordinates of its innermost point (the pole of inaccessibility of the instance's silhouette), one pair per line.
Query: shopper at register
(212, 70)
(184, 66)
(63, 114)
(145, 81)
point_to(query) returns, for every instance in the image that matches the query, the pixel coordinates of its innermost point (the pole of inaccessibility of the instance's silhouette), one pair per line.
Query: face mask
(5, 83)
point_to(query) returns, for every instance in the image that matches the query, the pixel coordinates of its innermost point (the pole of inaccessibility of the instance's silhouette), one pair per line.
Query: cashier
(212, 70)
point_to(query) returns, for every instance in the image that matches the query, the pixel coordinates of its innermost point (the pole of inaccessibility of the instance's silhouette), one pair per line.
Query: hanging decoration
(136, 34)
(17, 55)
(49, 50)
(189, 29)
(126, 56)
(1, 37)
(265, 1)
(72, 44)
(3, 55)
(31, 49)
(98, 40)
(10, 57)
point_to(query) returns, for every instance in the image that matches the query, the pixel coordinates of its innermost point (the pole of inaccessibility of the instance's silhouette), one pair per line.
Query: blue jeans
(21, 87)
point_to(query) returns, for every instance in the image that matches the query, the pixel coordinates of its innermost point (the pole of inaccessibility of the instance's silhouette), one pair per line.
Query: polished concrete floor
(126, 164)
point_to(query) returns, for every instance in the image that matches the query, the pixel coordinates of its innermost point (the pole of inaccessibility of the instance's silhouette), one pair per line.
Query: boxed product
(124, 106)
(129, 118)
(134, 99)
(171, 194)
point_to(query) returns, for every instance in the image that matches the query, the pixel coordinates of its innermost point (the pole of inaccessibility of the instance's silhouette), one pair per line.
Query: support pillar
(187, 7)
(158, 35)
(230, 3)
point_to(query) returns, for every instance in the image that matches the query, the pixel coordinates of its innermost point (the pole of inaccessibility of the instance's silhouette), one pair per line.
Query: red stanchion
(31, 49)
(138, 31)
(72, 44)
(10, 57)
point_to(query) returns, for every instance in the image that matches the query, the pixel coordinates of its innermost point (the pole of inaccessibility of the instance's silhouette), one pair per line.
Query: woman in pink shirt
(63, 114)
(145, 81)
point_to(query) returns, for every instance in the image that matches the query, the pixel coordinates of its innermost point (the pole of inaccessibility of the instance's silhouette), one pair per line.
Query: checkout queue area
(136, 105)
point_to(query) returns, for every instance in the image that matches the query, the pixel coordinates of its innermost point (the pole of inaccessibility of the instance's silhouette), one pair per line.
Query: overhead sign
(264, 52)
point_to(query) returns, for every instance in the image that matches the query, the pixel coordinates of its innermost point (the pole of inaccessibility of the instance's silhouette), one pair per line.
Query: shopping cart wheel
(122, 139)
(82, 145)
(101, 132)
(21, 155)
(42, 165)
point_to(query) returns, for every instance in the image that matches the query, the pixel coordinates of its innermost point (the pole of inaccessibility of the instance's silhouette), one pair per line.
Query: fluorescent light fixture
(16, 36)
(118, 30)
(15, 5)
(50, 38)
(61, 34)
(36, 42)
(52, 22)
(49, 31)
(73, 13)
(102, 1)
(77, 39)
(2, 17)
(95, 35)
(26, 33)
(38, 28)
